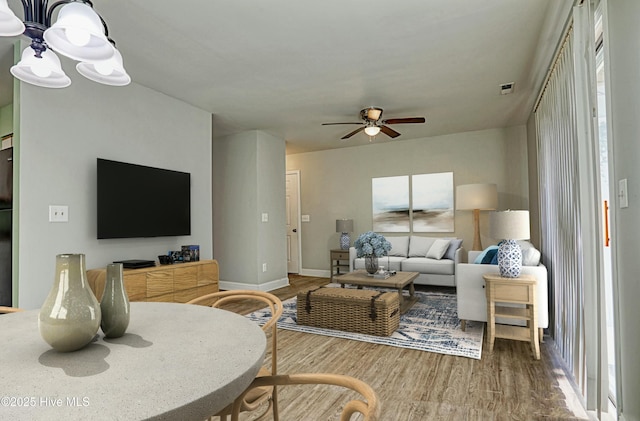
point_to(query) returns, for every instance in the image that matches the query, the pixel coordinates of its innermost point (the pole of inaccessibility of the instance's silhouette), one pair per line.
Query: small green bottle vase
(70, 316)
(114, 303)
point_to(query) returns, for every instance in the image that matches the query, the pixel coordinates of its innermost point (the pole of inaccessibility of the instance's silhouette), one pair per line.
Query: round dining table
(175, 362)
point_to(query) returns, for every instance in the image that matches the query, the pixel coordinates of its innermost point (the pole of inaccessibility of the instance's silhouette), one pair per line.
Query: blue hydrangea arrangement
(372, 244)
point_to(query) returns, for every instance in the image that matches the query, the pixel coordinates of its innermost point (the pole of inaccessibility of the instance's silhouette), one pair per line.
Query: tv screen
(139, 201)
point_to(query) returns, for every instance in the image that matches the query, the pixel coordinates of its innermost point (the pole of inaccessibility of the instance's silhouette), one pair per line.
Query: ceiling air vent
(506, 88)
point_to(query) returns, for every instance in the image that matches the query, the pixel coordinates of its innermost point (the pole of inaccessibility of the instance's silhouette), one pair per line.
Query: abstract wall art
(432, 202)
(390, 199)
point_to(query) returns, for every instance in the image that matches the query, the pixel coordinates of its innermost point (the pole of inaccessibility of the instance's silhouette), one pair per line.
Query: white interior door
(293, 215)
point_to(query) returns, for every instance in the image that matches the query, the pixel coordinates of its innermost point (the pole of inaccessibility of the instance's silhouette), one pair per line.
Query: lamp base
(345, 241)
(509, 259)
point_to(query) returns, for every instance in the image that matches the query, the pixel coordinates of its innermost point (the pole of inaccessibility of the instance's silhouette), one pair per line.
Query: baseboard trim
(267, 286)
(318, 273)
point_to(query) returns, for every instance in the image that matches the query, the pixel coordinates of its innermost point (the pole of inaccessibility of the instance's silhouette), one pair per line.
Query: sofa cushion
(399, 246)
(389, 262)
(438, 248)
(419, 246)
(429, 266)
(453, 246)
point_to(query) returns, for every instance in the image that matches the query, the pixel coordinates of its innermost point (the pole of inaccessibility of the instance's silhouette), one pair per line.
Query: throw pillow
(399, 246)
(453, 246)
(491, 257)
(484, 252)
(438, 249)
(530, 254)
(419, 246)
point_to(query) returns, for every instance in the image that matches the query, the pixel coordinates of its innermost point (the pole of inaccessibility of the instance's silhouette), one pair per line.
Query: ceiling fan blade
(389, 131)
(404, 120)
(333, 124)
(347, 136)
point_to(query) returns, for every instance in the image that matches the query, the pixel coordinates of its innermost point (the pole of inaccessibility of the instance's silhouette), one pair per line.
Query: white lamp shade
(45, 72)
(476, 196)
(10, 25)
(79, 34)
(372, 130)
(344, 225)
(510, 225)
(108, 72)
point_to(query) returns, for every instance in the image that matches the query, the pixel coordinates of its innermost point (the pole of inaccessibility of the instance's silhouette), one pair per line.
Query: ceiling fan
(372, 124)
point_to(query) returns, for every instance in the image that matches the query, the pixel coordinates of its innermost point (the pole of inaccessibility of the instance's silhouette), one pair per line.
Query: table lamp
(476, 197)
(345, 226)
(510, 225)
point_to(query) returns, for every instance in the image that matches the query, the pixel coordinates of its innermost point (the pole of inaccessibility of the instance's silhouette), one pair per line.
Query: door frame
(296, 173)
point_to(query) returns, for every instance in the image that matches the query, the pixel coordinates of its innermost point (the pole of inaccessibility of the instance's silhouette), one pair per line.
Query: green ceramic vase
(70, 316)
(114, 303)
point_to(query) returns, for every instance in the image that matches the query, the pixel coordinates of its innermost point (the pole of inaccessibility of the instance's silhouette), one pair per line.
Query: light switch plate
(623, 195)
(265, 217)
(306, 218)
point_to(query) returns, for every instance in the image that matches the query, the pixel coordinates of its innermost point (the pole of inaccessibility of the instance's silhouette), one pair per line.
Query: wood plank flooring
(507, 384)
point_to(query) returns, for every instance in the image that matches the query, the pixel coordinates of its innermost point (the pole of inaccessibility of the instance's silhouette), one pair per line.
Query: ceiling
(286, 66)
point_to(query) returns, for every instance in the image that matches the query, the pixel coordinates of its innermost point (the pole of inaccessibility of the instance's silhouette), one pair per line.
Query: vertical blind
(558, 175)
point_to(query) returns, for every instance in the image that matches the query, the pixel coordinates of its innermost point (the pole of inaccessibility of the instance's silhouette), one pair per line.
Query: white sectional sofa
(434, 258)
(470, 287)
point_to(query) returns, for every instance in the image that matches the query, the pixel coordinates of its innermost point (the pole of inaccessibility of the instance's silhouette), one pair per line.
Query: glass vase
(114, 303)
(70, 316)
(371, 264)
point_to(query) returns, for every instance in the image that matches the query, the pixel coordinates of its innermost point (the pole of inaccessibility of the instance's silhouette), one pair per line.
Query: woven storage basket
(353, 310)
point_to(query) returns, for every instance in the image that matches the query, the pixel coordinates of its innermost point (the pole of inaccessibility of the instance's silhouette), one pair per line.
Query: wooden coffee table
(398, 281)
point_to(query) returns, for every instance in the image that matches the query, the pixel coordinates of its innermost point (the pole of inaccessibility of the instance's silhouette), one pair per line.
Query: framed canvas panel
(432, 202)
(390, 199)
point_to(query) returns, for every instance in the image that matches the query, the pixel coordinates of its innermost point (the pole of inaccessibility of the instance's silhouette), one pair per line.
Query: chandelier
(79, 33)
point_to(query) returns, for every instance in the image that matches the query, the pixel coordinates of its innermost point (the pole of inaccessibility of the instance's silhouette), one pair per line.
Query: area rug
(430, 325)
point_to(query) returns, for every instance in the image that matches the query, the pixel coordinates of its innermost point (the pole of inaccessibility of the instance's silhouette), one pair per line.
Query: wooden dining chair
(5, 310)
(369, 408)
(258, 395)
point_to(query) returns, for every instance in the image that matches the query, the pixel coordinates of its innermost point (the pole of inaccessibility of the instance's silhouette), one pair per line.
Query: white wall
(336, 183)
(624, 48)
(249, 180)
(62, 132)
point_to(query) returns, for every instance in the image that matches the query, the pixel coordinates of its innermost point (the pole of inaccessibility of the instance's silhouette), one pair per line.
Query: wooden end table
(520, 290)
(339, 260)
(398, 281)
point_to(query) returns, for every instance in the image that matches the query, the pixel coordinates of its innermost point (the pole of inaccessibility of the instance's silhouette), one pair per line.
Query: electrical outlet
(265, 217)
(58, 213)
(264, 267)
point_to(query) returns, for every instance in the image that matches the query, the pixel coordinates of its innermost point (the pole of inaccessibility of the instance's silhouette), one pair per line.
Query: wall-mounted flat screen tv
(140, 201)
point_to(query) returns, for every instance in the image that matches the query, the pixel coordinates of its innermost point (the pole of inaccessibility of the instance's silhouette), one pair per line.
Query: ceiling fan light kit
(372, 124)
(372, 130)
(79, 33)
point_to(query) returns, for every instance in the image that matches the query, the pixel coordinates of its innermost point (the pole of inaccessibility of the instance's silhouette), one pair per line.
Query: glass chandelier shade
(44, 71)
(108, 72)
(79, 33)
(10, 25)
